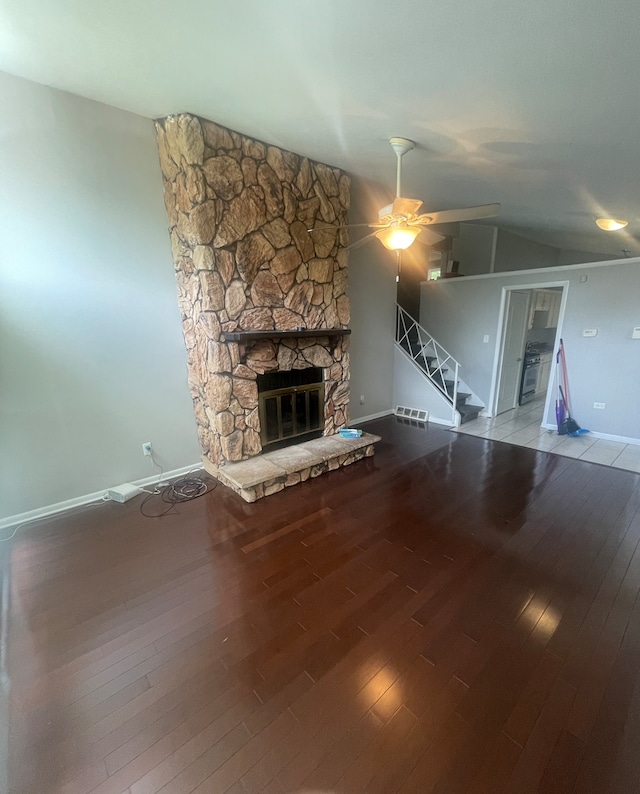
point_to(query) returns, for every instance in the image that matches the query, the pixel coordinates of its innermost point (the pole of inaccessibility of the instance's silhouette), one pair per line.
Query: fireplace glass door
(292, 413)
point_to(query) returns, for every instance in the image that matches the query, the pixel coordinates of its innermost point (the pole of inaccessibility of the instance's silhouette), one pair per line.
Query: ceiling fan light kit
(610, 224)
(398, 238)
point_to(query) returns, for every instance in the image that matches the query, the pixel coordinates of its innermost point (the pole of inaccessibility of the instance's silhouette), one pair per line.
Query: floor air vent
(416, 414)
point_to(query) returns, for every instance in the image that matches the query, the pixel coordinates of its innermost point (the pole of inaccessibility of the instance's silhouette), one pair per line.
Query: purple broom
(560, 403)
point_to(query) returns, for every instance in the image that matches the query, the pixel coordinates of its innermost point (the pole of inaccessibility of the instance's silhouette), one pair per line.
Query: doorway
(530, 325)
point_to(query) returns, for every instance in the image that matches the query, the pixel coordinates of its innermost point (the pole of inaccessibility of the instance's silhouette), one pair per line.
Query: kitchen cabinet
(547, 302)
(544, 372)
(542, 301)
(554, 309)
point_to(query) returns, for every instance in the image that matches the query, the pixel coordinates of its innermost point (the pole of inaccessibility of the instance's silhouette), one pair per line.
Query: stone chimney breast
(239, 212)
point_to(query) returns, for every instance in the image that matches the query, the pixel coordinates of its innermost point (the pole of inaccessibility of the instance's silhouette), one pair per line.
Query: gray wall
(372, 290)
(473, 248)
(572, 257)
(605, 368)
(514, 252)
(92, 361)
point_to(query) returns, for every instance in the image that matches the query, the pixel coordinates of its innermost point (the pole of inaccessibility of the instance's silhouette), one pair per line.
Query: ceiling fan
(399, 224)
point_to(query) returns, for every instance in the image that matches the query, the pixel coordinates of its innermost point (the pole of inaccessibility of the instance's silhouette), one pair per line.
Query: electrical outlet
(362, 399)
(599, 405)
(485, 338)
(146, 448)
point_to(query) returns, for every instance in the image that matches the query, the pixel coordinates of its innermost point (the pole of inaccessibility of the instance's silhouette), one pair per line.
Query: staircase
(438, 366)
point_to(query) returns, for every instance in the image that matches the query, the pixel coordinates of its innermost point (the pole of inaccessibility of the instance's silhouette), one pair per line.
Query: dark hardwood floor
(453, 615)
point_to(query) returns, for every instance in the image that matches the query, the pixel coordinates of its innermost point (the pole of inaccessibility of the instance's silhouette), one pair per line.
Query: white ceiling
(532, 104)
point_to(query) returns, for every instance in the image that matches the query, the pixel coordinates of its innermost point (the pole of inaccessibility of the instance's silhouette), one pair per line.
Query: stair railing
(420, 346)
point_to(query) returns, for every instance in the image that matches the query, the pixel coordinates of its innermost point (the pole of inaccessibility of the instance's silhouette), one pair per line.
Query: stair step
(461, 398)
(468, 412)
(449, 386)
(414, 350)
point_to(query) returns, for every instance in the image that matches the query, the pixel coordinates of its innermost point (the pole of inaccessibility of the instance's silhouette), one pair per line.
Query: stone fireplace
(258, 292)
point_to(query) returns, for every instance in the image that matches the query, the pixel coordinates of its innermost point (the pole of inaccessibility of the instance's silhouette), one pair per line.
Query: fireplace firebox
(291, 407)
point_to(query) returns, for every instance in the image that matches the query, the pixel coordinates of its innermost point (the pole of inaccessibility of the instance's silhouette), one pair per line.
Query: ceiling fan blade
(405, 207)
(429, 237)
(335, 228)
(362, 241)
(464, 214)
(383, 220)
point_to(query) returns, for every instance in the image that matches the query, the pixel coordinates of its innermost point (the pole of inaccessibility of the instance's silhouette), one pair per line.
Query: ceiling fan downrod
(400, 146)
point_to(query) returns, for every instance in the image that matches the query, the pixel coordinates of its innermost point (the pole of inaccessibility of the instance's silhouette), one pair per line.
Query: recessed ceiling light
(610, 224)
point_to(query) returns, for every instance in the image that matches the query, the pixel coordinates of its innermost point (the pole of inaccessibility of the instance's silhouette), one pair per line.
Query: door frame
(501, 331)
(507, 305)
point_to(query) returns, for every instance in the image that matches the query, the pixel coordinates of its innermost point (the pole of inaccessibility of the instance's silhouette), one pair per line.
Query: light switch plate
(636, 332)
(590, 332)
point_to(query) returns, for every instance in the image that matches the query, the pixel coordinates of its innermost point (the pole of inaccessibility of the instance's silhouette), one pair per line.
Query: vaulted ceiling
(534, 105)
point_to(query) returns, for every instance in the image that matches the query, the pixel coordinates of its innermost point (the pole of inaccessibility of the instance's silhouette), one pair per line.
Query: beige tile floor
(521, 426)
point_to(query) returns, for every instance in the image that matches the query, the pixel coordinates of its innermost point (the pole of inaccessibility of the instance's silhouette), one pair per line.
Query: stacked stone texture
(277, 484)
(239, 213)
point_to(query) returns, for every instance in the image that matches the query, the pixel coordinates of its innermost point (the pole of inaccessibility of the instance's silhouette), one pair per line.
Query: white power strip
(122, 493)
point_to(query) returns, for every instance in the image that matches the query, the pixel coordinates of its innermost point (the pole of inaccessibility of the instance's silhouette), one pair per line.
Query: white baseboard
(437, 421)
(371, 417)
(433, 419)
(610, 437)
(78, 501)
(596, 434)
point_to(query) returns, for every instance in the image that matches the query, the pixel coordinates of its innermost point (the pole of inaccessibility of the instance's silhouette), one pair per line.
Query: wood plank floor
(453, 615)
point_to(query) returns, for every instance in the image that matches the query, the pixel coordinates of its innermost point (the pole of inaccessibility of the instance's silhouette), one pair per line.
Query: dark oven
(529, 380)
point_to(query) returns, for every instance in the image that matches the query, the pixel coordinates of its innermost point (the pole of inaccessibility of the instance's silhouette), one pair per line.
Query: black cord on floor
(183, 489)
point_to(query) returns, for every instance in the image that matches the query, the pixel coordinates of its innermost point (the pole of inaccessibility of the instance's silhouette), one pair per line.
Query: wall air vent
(417, 414)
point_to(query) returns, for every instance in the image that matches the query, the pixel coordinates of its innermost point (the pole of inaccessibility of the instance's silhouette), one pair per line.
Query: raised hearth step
(267, 474)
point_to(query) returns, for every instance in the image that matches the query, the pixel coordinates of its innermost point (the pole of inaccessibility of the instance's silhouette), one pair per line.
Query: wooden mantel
(245, 338)
(253, 336)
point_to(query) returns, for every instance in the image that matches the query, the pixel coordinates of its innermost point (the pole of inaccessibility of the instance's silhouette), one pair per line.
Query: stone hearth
(239, 214)
(274, 471)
